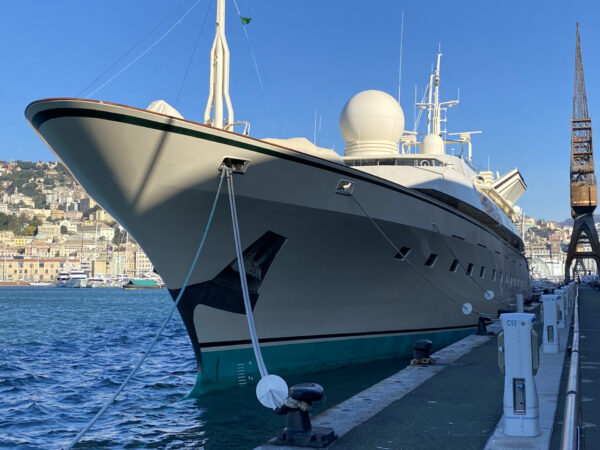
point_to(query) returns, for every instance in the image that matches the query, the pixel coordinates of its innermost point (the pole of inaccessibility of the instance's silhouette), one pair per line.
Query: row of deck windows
(433, 257)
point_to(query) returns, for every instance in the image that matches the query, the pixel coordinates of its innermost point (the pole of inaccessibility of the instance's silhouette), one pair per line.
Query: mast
(434, 106)
(436, 97)
(219, 76)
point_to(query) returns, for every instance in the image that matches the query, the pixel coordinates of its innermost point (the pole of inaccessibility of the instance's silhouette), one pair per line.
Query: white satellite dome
(371, 123)
(432, 144)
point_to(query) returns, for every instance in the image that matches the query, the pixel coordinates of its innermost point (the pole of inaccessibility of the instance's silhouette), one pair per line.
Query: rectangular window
(470, 269)
(404, 251)
(454, 265)
(493, 274)
(431, 260)
(482, 272)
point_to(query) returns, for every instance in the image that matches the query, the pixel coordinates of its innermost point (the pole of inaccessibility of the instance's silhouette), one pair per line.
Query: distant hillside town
(49, 225)
(546, 245)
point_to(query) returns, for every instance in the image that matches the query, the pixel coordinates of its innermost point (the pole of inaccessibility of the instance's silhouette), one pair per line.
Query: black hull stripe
(330, 336)
(43, 116)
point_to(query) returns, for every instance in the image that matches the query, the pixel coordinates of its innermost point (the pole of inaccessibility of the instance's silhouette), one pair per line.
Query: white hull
(334, 276)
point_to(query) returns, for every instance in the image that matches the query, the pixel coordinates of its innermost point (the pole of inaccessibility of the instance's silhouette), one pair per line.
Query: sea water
(64, 352)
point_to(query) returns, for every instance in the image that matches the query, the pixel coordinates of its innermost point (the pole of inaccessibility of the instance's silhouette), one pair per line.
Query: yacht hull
(327, 288)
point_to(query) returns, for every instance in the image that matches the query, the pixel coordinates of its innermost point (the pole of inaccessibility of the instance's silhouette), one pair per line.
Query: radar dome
(432, 144)
(371, 123)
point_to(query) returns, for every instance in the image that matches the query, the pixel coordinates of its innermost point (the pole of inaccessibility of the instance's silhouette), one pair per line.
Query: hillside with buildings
(49, 224)
(546, 245)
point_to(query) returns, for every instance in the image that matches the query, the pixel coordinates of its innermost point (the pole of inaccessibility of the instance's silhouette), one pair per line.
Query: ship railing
(570, 439)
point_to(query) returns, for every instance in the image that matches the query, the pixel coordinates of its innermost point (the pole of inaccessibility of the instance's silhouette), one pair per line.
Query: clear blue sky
(512, 60)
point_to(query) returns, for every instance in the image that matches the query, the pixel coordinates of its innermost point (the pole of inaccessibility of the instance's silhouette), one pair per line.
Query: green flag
(245, 20)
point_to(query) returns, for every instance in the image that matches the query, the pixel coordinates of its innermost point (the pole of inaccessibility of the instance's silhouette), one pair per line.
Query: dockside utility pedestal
(568, 310)
(562, 307)
(518, 356)
(520, 306)
(550, 334)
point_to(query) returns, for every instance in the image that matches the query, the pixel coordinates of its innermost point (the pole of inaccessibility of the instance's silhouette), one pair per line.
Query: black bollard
(298, 431)
(482, 326)
(422, 353)
(422, 349)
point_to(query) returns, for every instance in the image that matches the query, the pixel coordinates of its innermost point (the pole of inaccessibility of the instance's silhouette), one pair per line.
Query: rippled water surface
(64, 352)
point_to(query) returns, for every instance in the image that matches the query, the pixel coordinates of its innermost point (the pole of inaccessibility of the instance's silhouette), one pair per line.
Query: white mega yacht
(348, 259)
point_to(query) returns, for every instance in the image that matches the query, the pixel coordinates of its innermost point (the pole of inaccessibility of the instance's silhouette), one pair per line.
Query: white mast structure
(434, 106)
(219, 76)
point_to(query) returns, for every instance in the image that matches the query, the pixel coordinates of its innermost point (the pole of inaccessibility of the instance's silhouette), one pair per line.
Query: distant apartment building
(556, 236)
(7, 237)
(97, 231)
(86, 203)
(17, 199)
(73, 215)
(537, 250)
(57, 214)
(49, 230)
(71, 227)
(99, 268)
(30, 213)
(28, 270)
(142, 263)
(101, 216)
(21, 241)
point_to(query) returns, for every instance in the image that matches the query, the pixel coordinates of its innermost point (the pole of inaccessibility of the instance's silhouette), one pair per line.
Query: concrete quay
(457, 403)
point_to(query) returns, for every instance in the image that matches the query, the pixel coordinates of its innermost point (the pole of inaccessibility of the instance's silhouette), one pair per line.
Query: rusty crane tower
(584, 190)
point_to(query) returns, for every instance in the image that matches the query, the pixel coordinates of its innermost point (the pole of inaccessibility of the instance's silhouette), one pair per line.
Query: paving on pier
(457, 403)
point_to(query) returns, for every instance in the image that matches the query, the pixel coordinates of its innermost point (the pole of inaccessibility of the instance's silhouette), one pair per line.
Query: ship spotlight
(489, 294)
(467, 308)
(271, 391)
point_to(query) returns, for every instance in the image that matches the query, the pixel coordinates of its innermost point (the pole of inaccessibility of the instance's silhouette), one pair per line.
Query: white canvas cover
(162, 107)
(305, 146)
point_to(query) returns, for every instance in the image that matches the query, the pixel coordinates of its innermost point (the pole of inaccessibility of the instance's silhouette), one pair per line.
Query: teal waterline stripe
(227, 368)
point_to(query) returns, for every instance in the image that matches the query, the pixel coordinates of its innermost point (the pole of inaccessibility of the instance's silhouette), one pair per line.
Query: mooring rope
(131, 49)
(425, 277)
(162, 328)
(137, 58)
(242, 269)
(187, 69)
